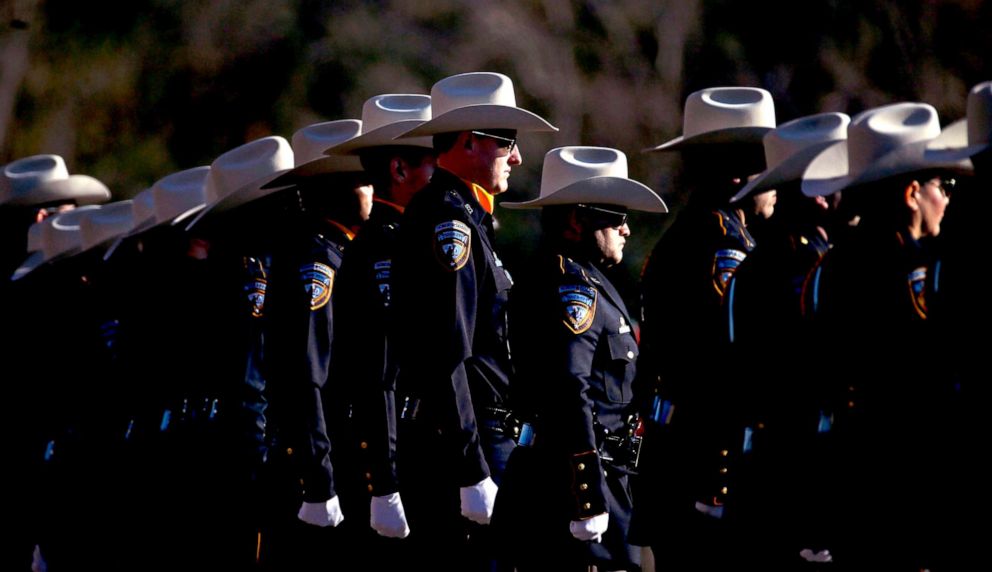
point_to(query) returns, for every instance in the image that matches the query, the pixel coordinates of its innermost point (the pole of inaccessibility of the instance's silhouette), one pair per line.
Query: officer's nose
(625, 230)
(516, 157)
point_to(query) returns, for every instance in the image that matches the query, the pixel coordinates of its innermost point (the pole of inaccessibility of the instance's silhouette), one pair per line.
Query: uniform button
(583, 487)
(364, 445)
(630, 355)
(368, 475)
(587, 506)
(850, 404)
(723, 470)
(724, 453)
(581, 466)
(850, 388)
(370, 488)
(723, 490)
(289, 450)
(516, 430)
(761, 425)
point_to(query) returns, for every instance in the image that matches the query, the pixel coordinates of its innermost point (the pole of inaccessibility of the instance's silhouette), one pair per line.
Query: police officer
(566, 502)
(695, 435)
(450, 292)
(764, 318)
(326, 202)
(360, 370)
(870, 288)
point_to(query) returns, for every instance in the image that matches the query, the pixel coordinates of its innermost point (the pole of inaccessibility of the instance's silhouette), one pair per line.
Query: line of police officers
(250, 361)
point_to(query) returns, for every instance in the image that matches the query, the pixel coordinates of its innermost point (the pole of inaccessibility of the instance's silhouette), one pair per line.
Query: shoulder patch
(318, 281)
(452, 244)
(916, 281)
(579, 305)
(725, 263)
(256, 296)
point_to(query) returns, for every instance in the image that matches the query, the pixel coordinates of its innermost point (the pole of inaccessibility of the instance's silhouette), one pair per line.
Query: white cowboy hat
(239, 175)
(790, 147)
(883, 142)
(59, 237)
(309, 145)
(41, 179)
(970, 136)
(384, 118)
(101, 226)
(721, 115)
(573, 175)
(477, 100)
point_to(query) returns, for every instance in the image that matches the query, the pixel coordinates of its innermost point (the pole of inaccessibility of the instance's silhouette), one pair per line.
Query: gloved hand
(821, 556)
(591, 529)
(327, 513)
(388, 517)
(38, 563)
(478, 500)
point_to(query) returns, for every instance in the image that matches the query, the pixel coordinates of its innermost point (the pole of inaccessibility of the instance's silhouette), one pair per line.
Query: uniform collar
(391, 204)
(348, 234)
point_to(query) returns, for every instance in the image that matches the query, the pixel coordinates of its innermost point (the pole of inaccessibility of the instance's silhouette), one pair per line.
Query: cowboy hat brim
(81, 189)
(252, 191)
(482, 116)
(789, 171)
(827, 173)
(952, 144)
(600, 190)
(731, 135)
(34, 260)
(320, 166)
(384, 136)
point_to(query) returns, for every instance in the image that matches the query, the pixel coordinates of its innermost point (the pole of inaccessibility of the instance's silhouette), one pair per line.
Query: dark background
(129, 92)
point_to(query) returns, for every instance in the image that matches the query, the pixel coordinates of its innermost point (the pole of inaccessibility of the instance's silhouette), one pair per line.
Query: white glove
(388, 517)
(38, 563)
(821, 556)
(327, 513)
(478, 500)
(591, 528)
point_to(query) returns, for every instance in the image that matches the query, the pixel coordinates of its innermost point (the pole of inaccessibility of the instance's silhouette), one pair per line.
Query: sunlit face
(494, 159)
(363, 192)
(608, 231)
(610, 242)
(764, 203)
(934, 195)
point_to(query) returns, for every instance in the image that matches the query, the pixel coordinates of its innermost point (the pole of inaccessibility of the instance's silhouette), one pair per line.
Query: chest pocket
(620, 373)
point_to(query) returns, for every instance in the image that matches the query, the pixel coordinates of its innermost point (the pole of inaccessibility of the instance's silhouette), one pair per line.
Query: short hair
(376, 161)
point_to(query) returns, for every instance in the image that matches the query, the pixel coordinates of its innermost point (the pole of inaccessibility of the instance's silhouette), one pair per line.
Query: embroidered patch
(452, 244)
(579, 303)
(256, 296)
(382, 279)
(725, 263)
(917, 280)
(318, 280)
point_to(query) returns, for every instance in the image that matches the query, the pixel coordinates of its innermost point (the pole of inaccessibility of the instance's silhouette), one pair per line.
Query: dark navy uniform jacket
(576, 361)
(451, 293)
(298, 347)
(360, 369)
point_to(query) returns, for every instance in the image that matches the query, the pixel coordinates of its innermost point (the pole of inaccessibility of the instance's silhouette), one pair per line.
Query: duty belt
(501, 421)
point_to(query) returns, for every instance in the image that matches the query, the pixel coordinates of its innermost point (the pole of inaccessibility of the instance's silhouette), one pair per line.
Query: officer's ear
(467, 143)
(573, 225)
(910, 194)
(397, 169)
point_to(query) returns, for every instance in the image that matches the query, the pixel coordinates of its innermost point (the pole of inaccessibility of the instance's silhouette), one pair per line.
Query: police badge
(580, 306)
(452, 244)
(725, 263)
(916, 281)
(318, 280)
(382, 270)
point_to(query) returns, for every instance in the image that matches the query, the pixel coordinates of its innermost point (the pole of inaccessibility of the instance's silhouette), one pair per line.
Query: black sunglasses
(509, 142)
(610, 218)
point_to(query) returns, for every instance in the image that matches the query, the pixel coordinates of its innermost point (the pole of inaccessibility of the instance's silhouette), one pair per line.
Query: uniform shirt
(298, 346)
(451, 293)
(360, 369)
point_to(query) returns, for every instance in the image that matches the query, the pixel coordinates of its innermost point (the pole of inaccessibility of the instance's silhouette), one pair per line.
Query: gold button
(723, 470)
(587, 506)
(370, 488)
(289, 450)
(761, 425)
(724, 453)
(850, 388)
(364, 445)
(723, 490)
(581, 466)
(630, 355)
(516, 430)
(850, 404)
(583, 487)
(368, 475)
